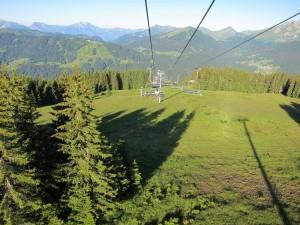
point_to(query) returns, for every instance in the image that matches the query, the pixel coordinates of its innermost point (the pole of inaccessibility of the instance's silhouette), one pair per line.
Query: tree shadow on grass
(148, 142)
(275, 199)
(293, 111)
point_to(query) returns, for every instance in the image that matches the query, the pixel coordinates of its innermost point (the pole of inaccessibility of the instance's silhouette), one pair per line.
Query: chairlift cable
(150, 37)
(194, 33)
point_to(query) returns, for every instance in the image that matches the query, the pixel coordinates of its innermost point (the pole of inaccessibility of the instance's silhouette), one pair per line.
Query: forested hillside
(36, 53)
(48, 54)
(260, 55)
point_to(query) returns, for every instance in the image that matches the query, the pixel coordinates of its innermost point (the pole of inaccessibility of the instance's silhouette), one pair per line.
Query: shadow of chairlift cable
(276, 201)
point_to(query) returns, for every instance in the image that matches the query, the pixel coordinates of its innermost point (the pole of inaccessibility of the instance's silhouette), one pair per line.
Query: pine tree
(88, 195)
(120, 167)
(18, 186)
(136, 178)
(126, 175)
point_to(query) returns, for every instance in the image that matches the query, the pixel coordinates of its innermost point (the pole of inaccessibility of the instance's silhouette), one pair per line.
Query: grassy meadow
(222, 158)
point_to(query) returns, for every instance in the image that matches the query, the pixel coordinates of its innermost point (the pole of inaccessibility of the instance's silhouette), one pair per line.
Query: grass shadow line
(276, 201)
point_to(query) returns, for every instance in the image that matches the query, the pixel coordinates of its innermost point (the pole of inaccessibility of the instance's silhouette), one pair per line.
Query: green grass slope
(223, 158)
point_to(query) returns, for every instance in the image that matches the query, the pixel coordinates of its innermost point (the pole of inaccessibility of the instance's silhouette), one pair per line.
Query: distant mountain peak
(83, 28)
(12, 25)
(38, 23)
(228, 29)
(287, 32)
(161, 26)
(82, 24)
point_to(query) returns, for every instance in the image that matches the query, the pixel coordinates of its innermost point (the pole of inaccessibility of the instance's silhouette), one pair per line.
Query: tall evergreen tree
(88, 195)
(18, 186)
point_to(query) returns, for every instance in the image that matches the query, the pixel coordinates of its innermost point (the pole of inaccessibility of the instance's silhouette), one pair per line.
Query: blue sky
(241, 14)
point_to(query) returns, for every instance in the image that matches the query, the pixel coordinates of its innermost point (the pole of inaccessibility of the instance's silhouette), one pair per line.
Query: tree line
(64, 172)
(229, 79)
(113, 80)
(50, 91)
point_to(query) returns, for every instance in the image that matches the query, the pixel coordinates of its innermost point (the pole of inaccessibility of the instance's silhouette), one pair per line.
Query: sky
(240, 14)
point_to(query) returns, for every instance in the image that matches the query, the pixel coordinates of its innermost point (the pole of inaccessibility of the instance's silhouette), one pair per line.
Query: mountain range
(48, 49)
(81, 28)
